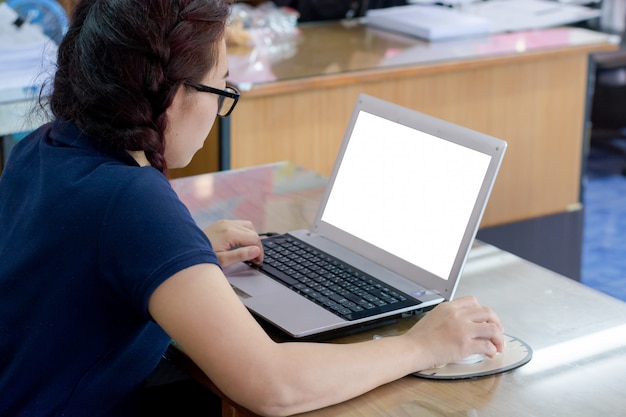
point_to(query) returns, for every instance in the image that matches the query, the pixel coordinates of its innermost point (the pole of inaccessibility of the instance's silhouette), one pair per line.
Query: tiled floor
(604, 235)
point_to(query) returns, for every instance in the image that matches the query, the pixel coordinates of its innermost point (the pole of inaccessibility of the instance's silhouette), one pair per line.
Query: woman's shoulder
(143, 185)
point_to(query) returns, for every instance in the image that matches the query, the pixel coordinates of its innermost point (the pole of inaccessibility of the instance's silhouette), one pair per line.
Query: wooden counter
(528, 88)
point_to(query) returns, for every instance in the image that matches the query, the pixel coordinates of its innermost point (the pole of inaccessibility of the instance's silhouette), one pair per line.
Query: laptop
(402, 207)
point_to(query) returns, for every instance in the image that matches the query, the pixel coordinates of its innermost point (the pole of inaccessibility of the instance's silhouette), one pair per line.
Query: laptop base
(279, 335)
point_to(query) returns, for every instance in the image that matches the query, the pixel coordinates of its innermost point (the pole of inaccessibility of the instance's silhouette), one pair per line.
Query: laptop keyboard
(323, 279)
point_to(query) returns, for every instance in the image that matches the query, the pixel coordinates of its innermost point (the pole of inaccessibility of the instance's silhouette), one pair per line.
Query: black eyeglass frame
(233, 94)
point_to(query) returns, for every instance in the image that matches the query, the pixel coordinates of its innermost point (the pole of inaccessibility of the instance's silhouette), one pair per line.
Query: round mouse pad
(515, 354)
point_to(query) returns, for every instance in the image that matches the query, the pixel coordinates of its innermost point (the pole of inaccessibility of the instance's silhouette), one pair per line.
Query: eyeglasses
(227, 100)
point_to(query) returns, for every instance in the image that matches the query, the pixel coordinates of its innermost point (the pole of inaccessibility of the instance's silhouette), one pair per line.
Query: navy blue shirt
(86, 236)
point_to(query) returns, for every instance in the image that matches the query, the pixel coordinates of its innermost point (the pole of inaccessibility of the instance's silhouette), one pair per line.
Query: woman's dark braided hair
(122, 61)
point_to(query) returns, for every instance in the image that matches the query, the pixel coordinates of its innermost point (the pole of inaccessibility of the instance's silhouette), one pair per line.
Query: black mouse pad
(516, 354)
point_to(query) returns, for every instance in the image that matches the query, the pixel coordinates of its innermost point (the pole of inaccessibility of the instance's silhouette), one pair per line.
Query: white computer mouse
(471, 359)
(475, 358)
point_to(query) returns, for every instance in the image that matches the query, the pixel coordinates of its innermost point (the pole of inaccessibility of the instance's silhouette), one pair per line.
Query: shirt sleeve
(147, 236)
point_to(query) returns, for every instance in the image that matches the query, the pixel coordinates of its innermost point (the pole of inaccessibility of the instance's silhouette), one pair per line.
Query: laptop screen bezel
(488, 145)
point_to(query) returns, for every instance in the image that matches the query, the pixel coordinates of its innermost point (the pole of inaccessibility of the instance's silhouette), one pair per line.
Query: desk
(578, 334)
(529, 88)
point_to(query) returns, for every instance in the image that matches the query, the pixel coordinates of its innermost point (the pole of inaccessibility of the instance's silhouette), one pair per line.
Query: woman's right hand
(456, 329)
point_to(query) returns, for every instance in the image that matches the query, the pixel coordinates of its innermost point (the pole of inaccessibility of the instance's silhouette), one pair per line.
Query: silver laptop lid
(408, 191)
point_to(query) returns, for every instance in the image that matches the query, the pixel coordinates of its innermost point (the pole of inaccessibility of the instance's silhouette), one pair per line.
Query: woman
(102, 264)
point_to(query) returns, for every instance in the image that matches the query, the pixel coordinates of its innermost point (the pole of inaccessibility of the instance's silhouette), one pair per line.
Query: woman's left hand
(235, 241)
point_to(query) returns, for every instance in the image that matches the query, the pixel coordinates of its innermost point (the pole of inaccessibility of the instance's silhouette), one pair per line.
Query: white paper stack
(471, 18)
(518, 15)
(428, 22)
(27, 57)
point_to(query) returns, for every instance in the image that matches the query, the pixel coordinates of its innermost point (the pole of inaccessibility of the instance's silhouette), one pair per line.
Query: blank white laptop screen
(421, 216)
